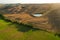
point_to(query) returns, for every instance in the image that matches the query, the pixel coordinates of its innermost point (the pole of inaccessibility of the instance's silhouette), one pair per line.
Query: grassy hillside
(10, 31)
(14, 31)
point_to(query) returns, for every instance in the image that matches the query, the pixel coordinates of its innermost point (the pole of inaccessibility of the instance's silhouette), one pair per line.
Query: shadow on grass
(57, 35)
(24, 27)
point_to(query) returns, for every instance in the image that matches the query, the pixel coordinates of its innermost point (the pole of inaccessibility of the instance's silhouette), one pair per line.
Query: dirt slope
(23, 14)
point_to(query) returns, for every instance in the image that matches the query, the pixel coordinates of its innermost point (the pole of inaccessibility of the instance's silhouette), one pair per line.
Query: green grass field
(9, 31)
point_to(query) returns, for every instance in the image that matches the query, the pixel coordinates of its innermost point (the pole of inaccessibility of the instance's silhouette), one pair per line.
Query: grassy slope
(10, 32)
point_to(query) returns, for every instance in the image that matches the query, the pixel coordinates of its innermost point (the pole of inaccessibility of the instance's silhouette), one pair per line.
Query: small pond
(37, 15)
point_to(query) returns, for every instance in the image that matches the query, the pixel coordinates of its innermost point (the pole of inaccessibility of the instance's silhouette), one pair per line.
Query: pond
(37, 15)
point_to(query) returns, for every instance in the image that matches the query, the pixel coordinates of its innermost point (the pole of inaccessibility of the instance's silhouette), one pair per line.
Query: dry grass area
(22, 14)
(37, 22)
